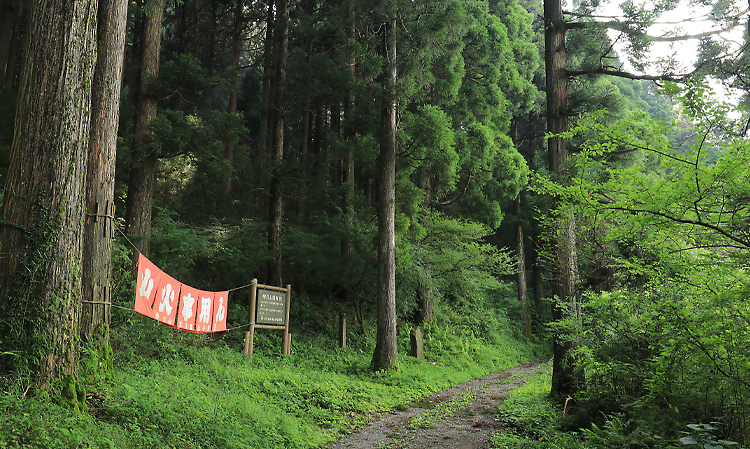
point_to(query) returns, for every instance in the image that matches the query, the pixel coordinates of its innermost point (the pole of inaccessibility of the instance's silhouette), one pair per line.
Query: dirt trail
(461, 417)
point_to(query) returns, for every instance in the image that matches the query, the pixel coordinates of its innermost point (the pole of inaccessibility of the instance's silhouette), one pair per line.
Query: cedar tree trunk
(565, 270)
(141, 184)
(232, 107)
(277, 146)
(386, 349)
(41, 234)
(100, 178)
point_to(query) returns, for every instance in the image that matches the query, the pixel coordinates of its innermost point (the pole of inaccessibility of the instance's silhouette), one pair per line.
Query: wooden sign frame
(250, 336)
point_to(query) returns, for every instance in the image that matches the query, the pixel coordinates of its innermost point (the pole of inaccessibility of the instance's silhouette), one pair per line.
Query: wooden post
(247, 343)
(285, 344)
(342, 331)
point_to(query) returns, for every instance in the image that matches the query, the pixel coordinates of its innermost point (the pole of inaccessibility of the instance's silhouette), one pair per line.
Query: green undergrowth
(533, 420)
(172, 389)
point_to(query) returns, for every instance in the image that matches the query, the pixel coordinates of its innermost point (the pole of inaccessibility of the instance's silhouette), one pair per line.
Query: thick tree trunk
(565, 270)
(141, 184)
(277, 148)
(100, 178)
(386, 349)
(41, 234)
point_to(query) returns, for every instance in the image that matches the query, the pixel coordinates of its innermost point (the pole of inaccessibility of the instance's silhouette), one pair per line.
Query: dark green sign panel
(270, 309)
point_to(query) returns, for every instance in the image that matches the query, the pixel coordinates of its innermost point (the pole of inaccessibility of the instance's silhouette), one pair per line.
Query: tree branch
(625, 27)
(700, 223)
(466, 188)
(628, 75)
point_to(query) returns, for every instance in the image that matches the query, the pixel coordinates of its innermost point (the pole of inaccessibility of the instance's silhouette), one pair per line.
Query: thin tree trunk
(537, 268)
(537, 264)
(333, 161)
(565, 270)
(232, 107)
(320, 112)
(350, 134)
(100, 178)
(523, 296)
(277, 154)
(425, 305)
(386, 349)
(8, 16)
(265, 110)
(41, 234)
(141, 184)
(15, 44)
(305, 143)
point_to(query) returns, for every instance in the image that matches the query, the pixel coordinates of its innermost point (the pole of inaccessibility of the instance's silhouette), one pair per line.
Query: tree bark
(277, 147)
(386, 349)
(41, 232)
(140, 199)
(100, 177)
(565, 269)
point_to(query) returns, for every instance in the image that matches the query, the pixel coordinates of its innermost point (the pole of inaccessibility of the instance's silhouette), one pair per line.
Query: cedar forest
(520, 180)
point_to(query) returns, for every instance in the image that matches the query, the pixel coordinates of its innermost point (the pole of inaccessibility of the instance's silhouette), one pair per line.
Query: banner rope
(225, 330)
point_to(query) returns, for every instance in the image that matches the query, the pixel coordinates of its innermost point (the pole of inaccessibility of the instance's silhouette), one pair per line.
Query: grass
(172, 389)
(442, 411)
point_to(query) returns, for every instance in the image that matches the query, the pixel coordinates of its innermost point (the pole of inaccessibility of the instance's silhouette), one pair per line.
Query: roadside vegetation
(534, 420)
(170, 388)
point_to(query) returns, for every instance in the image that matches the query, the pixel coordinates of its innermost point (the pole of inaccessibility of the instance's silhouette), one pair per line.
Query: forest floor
(463, 416)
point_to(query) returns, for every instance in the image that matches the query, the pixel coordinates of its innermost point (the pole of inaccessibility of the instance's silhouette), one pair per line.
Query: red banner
(205, 306)
(146, 286)
(161, 297)
(165, 309)
(221, 301)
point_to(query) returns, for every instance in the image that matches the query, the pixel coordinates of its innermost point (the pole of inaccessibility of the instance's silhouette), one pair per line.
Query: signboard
(271, 307)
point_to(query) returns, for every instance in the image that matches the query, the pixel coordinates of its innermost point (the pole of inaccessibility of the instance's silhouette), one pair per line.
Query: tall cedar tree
(43, 210)
(140, 197)
(276, 114)
(237, 38)
(565, 270)
(386, 350)
(100, 177)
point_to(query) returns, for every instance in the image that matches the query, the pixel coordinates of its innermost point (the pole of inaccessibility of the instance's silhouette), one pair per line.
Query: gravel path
(461, 417)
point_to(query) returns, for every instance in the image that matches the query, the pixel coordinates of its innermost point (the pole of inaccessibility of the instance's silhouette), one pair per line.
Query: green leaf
(688, 440)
